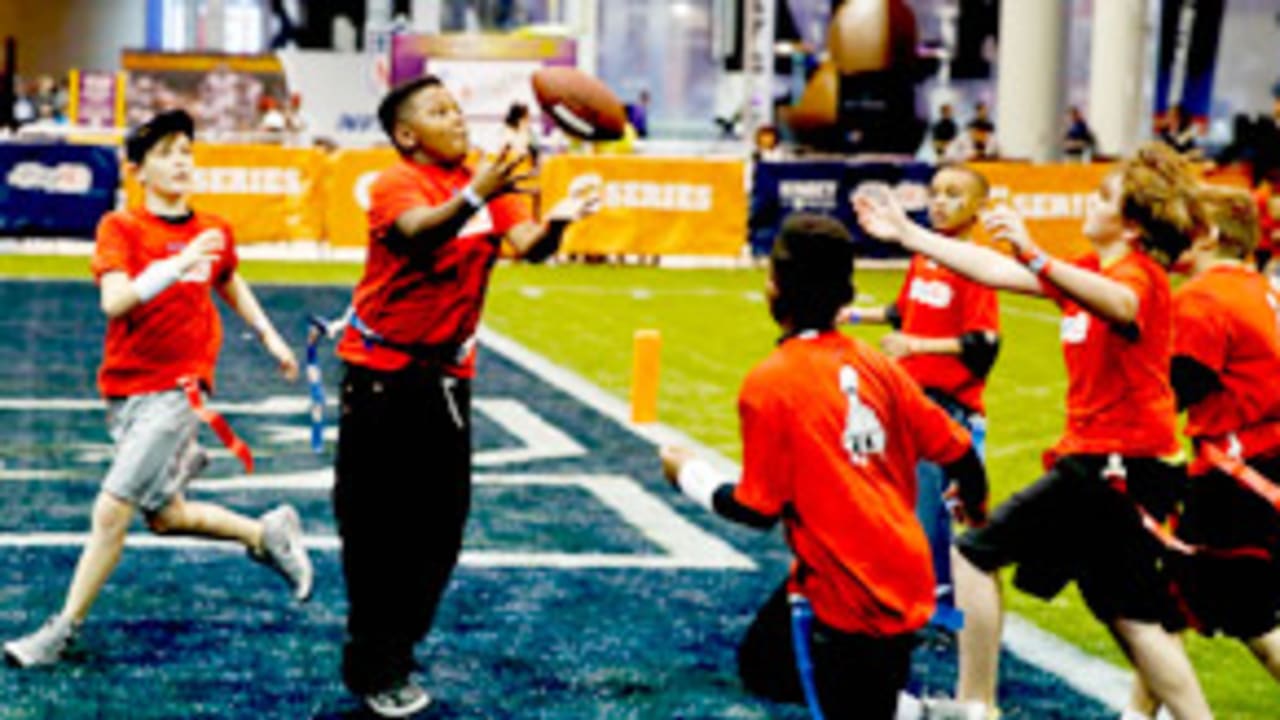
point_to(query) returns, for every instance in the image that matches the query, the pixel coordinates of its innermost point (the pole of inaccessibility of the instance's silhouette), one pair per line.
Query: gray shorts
(156, 451)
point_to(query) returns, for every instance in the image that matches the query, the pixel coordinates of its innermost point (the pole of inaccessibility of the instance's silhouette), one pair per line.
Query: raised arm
(433, 225)
(1101, 296)
(120, 294)
(883, 218)
(537, 241)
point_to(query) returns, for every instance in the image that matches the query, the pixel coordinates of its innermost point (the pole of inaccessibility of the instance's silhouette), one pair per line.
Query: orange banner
(351, 172)
(654, 206)
(267, 193)
(1052, 198)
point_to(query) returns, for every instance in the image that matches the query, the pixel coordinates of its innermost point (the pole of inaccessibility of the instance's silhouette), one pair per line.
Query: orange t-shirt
(831, 432)
(937, 303)
(1119, 398)
(1226, 319)
(178, 332)
(425, 299)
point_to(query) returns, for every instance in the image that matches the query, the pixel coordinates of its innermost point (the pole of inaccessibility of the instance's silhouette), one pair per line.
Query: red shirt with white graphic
(414, 298)
(177, 333)
(1119, 398)
(831, 432)
(937, 303)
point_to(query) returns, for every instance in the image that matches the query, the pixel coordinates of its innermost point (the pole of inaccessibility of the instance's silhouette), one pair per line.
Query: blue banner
(1189, 32)
(827, 187)
(56, 190)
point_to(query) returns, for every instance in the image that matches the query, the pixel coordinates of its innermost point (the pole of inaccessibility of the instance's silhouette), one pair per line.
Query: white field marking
(532, 292)
(540, 440)
(1005, 450)
(7, 474)
(684, 545)
(1051, 653)
(92, 453)
(273, 405)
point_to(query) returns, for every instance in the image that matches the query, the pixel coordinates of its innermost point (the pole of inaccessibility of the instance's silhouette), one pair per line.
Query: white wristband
(158, 276)
(473, 199)
(699, 481)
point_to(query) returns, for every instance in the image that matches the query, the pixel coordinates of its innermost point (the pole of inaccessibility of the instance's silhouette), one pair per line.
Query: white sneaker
(398, 701)
(283, 551)
(45, 646)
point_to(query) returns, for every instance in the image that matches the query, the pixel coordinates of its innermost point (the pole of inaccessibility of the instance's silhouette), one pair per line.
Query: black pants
(401, 496)
(857, 676)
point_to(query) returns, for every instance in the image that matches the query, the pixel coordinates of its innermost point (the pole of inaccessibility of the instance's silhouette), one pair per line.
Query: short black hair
(515, 114)
(141, 139)
(812, 261)
(389, 108)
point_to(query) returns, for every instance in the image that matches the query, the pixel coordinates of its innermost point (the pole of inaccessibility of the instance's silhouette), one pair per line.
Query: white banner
(340, 92)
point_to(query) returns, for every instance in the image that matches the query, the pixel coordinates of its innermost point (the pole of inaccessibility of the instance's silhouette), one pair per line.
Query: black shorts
(1073, 525)
(1238, 596)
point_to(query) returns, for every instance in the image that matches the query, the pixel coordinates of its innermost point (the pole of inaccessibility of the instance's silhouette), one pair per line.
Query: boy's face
(166, 168)
(955, 197)
(430, 120)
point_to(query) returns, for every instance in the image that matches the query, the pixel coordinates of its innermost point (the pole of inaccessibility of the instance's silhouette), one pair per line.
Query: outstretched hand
(1005, 224)
(497, 175)
(881, 216)
(583, 200)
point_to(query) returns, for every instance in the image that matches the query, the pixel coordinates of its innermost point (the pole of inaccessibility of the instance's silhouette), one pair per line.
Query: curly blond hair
(1234, 212)
(1159, 195)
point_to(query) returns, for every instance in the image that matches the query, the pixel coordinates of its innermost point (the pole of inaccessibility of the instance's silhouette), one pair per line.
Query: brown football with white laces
(581, 105)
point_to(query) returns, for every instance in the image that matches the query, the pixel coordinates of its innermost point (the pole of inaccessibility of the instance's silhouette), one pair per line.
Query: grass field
(715, 326)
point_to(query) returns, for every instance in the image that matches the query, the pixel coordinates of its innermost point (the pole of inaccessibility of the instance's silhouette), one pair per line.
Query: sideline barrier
(653, 206)
(55, 189)
(267, 193)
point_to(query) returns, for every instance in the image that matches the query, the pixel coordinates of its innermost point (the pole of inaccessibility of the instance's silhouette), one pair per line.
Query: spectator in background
(1243, 147)
(24, 109)
(1078, 142)
(977, 142)
(1178, 132)
(638, 114)
(517, 131)
(943, 131)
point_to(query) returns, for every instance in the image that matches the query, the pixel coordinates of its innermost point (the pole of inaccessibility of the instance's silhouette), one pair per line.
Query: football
(872, 35)
(581, 105)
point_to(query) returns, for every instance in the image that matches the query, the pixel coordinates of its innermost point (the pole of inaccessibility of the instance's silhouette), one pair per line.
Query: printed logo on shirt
(933, 293)
(1075, 328)
(863, 433)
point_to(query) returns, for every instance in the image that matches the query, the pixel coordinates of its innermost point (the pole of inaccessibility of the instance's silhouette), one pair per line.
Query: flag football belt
(1115, 475)
(190, 386)
(319, 328)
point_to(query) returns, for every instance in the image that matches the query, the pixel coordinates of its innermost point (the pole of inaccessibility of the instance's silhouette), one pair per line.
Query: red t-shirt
(832, 430)
(178, 332)
(434, 299)
(1226, 319)
(937, 303)
(1119, 398)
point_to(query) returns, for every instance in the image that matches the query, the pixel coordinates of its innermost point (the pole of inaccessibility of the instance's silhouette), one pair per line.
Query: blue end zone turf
(588, 589)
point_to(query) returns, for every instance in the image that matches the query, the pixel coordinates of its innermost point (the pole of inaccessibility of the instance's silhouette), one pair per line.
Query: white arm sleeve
(158, 276)
(700, 481)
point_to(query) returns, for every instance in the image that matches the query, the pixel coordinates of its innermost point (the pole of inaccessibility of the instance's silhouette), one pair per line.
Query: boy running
(156, 266)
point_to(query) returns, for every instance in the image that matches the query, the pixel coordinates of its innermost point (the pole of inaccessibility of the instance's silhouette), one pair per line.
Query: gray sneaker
(282, 550)
(45, 646)
(401, 700)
